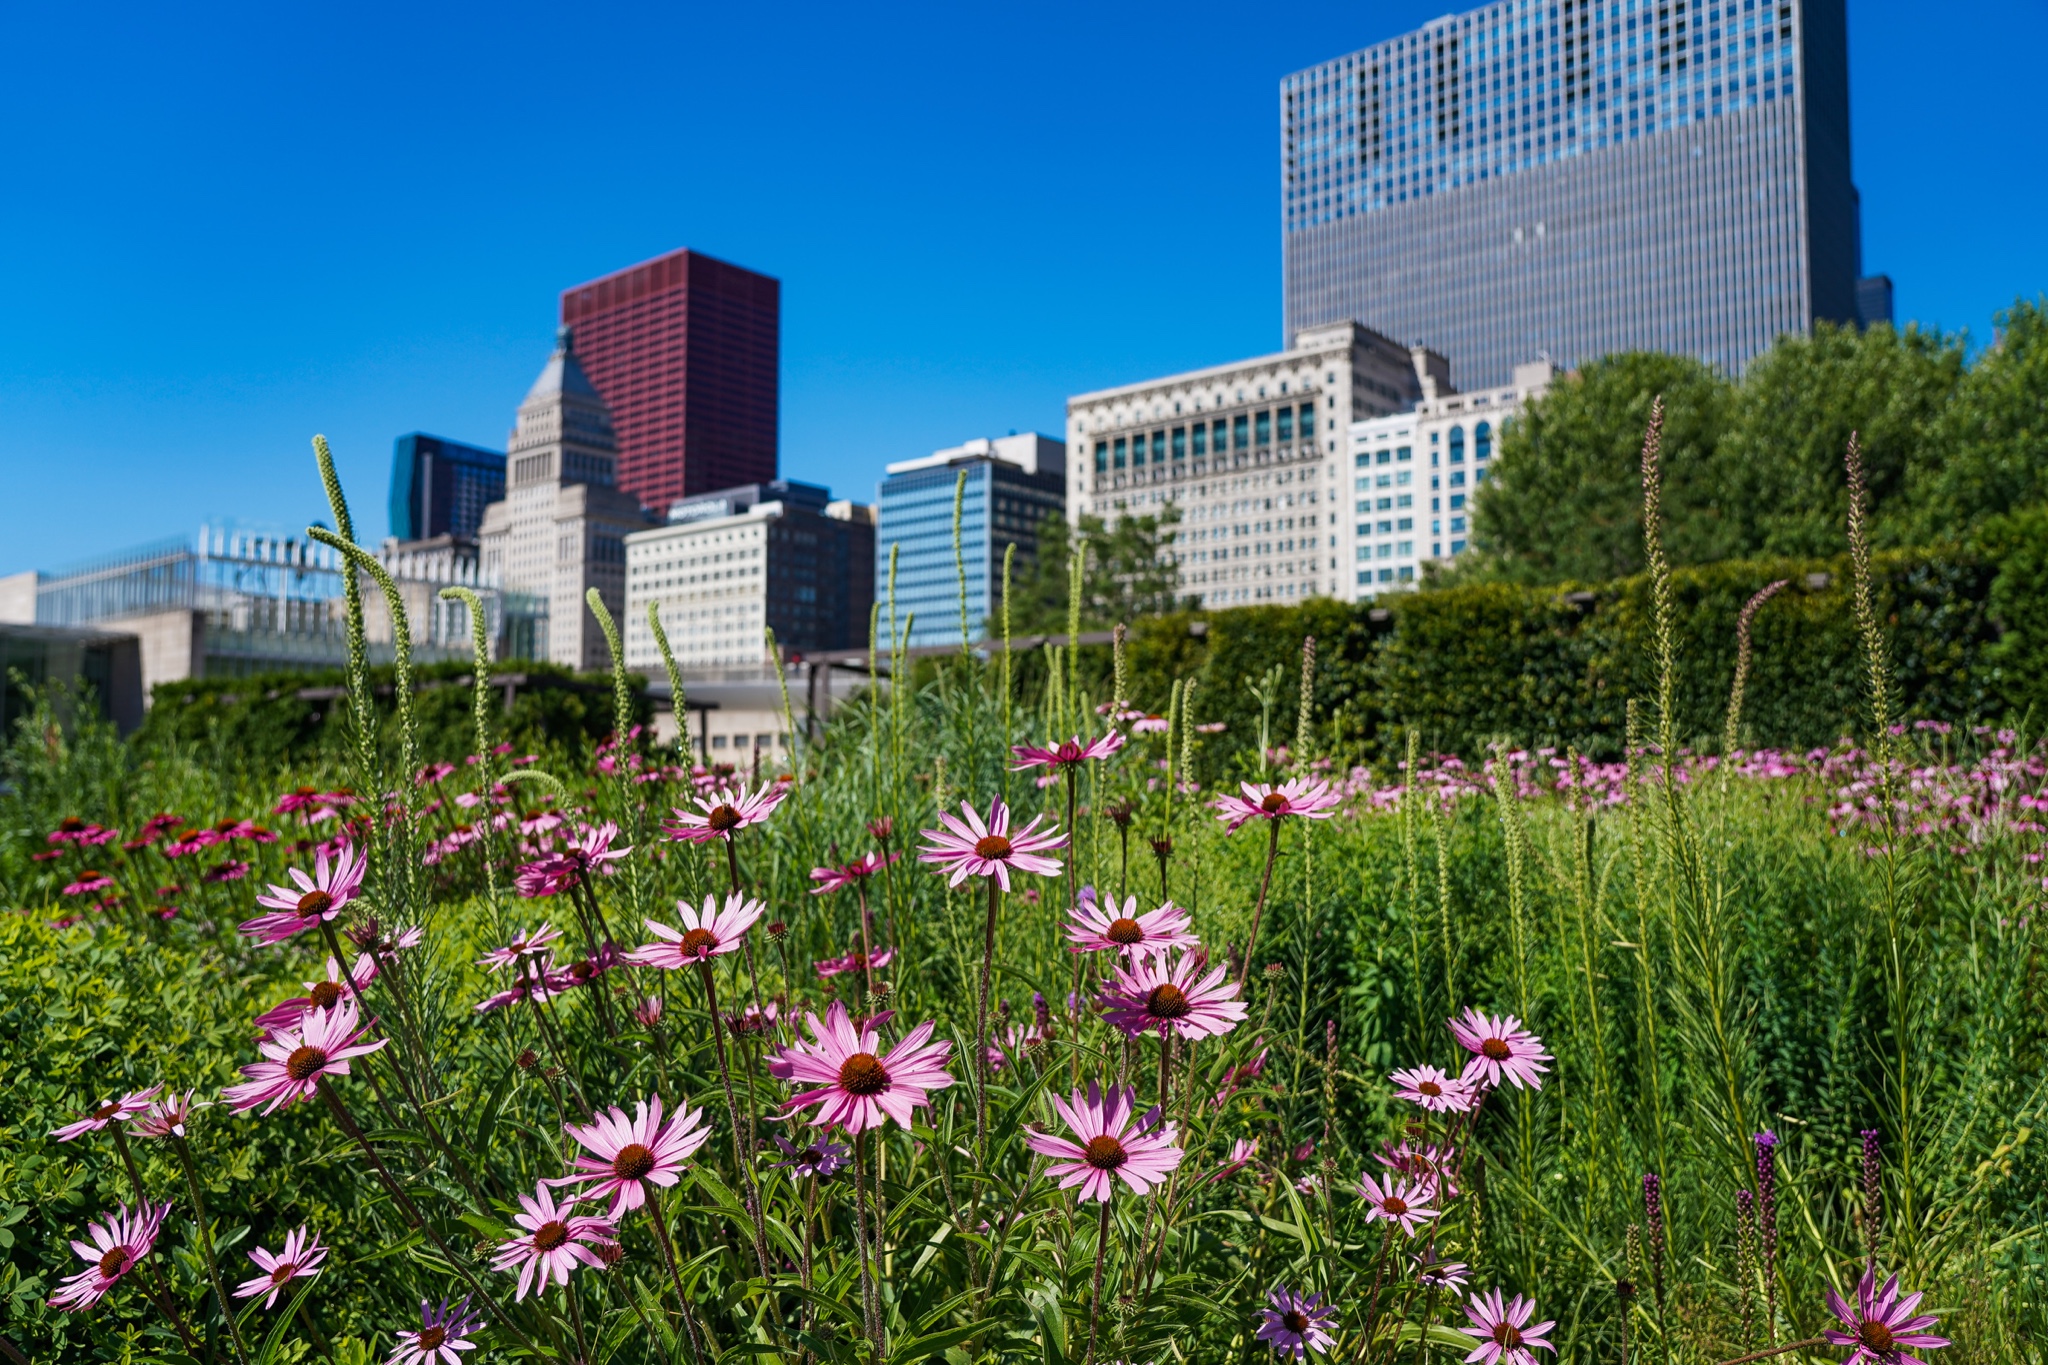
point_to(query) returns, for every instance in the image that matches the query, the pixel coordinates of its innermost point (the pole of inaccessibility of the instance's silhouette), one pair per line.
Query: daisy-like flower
(1109, 1143)
(855, 961)
(523, 945)
(87, 882)
(118, 1243)
(1398, 1201)
(1091, 928)
(1312, 799)
(320, 995)
(856, 1085)
(299, 1258)
(555, 1241)
(623, 1155)
(1239, 1076)
(322, 896)
(970, 848)
(1881, 1325)
(320, 1044)
(106, 1112)
(648, 1011)
(72, 830)
(1440, 1275)
(723, 813)
(1295, 1325)
(1241, 1154)
(821, 1159)
(859, 870)
(1432, 1089)
(751, 1020)
(589, 854)
(228, 870)
(443, 1332)
(706, 933)
(1501, 1049)
(1149, 725)
(1069, 753)
(1161, 995)
(1505, 1336)
(1429, 1167)
(167, 1117)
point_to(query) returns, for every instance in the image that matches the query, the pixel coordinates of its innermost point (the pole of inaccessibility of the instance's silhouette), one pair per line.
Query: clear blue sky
(225, 230)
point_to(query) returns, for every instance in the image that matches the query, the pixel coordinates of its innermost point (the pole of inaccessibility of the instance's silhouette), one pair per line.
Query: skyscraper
(1575, 177)
(685, 351)
(441, 487)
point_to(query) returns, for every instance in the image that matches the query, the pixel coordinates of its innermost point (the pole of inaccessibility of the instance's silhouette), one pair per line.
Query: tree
(1564, 499)
(1130, 572)
(1988, 455)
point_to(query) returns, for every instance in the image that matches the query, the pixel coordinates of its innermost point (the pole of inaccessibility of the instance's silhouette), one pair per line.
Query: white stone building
(1250, 453)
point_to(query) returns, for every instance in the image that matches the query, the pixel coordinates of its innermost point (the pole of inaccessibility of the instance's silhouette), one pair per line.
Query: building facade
(1572, 178)
(1414, 475)
(685, 350)
(1012, 483)
(562, 526)
(732, 564)
(1249, 454)
(441, 487)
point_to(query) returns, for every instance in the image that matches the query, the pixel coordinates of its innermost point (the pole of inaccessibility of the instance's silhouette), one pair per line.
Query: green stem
(220, 1294)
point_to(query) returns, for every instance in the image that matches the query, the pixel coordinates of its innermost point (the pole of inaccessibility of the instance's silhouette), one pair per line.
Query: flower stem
(220, 1294)
(1809, 1343)
(165, 1303)
(1244, 975)
(870, 1297)
(1095, 1295)
(988, 962)
(675, 1274)
(732, 1112)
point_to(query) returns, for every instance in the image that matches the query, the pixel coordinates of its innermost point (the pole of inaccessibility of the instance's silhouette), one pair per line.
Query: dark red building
(686, 350)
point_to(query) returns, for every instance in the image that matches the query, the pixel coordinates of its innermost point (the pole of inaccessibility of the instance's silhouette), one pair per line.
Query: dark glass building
(441, 487)
(1575, 177)
(685, 350)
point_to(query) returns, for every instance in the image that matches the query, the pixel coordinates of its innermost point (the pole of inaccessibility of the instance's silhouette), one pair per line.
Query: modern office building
(441, 487)
(1012, 484)
(1250, 455)
(1572, 178)
(731, 564)
(1413, 477)
(561, 529)
(685, 351)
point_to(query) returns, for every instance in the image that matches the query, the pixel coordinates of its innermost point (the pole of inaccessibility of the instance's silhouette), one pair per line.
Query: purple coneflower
(228, 870)
(322, 896)
(523, 945)
(1398, 1201)
(167, 1117)
(1241, 1153)
(1160, 995)
(443, 1332)
(1505, 1336)
(1093, 929)
(822, 1158)
(108, 1111)
(855, 1085)
(1110, 1142)
(299, 1258)
(706, 933)
(1881, 1326)
(1429, 1166)
(1440, 1275)
(1295, 1325)
(589, 853)
(1068, 753)
(648, 1012)
(87, 882)
(296, 1058)
(1311, 799)
(855, 961)
(859, 870)
(118, 1243)
(1501, 1050)
(724, 813)
(320, 995)
(554, 1241)
(971, 848)
(1433, 1090)
(625, 1155)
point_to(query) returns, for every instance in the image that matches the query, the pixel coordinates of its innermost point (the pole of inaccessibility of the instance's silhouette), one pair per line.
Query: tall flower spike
(856, 1085)
(1881, 1326)
(624, 1155)
(296, 1058)
(1161, 995)
(1110, 1143)
(706, 933)
(299, 1258)
(1505, 1335)
(322, 896)
(1093, 929)
(118, 1243)
(724, 813)
(968, 847)
(1502, 1050)
(1312, 800)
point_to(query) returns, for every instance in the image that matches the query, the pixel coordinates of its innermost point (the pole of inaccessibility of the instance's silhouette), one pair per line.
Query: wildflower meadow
(1028, 1021)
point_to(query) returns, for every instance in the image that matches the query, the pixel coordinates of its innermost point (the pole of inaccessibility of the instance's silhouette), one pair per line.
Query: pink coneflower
(1067, 754)
(1240, 1075)
(1093, 929)
(586, 970)
(1311, 799)
(882, 828)
(751, 1020)
(1149, 725)
(1398, 1201)
(1109, 1143)
(322, 896)
(554, 1241)
(589, 854)
(228, 870)
(1295, 1325)
(527, 944)
(108, 1111)
(298, 799)
(821, 1159)
(296, 1058)
(1431, 1166)
(320, 995)
(1501, 1049)
(626, 1154)
(706, 933)
(443, 1332)
(1441, 1275)
(1881, 1326)
(72, 830)
(165, 1118)
(855, 961)
(724, 813)
(859, 870)
(973, 849)
(1505, 1338)
(158, 825)
(432, 773)
(1160, 995)
(88, 882)
(648, 1012)
(1432, 1089)
(118, 1243)
(857, 1085)
(1241, 1153)
(299, 1258)
(537, 987)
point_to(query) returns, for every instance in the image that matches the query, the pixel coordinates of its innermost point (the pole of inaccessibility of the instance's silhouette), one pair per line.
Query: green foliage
(2018, 605)
(1989, 453)
(1131, 572)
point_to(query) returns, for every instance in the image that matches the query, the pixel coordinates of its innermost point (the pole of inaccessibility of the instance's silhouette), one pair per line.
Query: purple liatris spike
(1873, 1198)
(1767, 1224)
(1653, 1214)
(1041, 1013)
(1745, 1262)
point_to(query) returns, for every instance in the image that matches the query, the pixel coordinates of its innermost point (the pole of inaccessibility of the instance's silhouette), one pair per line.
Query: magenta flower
(724, 813)
(555, 1241)
(1882, 1326)
(1501, 1049)
(648, 1011)
(1430, 1167)
(589, 853)
(72, 830)
(1398, 1201)
(1440, 1275)
(1241, 1153)
(1160, 995)
(1067, 754)
(1109, 1144)
(443, 1332)
(1295, 1325)
(118, 1243)
(859, 870)
(167, 1117)
(88, 882)
(855, 1086)
(227, 870)
(300, 1258)
(1092, 929)
(320, 995)
(855, 961)
(625, 1155)
(973, 849)
(1432, 1089)
(319, 897)
(296, 1058)
(523, 945)
(1505, 1337)
(1312, 799)
(706, 933)
(108, 1111)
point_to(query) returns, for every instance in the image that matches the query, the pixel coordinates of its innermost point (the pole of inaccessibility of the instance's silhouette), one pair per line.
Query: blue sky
(227, 229)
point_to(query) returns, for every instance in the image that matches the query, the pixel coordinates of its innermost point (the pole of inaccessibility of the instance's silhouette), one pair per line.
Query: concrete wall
(18, 598)
(172, 645)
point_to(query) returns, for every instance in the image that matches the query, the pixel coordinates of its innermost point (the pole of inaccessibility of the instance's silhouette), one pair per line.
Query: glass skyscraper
(441, 487)
(1569, 178)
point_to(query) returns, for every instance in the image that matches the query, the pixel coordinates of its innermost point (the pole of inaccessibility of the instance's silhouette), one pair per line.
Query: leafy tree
(1564, 499)
(1988, 455)
(1130, 572)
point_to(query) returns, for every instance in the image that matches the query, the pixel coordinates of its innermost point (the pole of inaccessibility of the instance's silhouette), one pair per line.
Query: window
(1286, 432)
(1216, 436)
(1240, 431)
(1406, 574)
(1405, 548)
(1158, 447)
(1381, 457)
(1457, 547)
(1386, 575)
(1119, 452)
(1385, 503)
(1403, 477)
(1308, 420)
(1457, 525)
(1404, 453)
(1457, 478)
(1482, 442)
(1180, 443)
(1457, 501)
(1201, 439)
(1478, 476)
(1405, 500)
(1101, 457)
(1363, 459)
(1263, 428)
(1457, 445)
(1405, 524)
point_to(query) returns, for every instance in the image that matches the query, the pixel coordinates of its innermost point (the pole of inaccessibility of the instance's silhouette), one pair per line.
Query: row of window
(1242, 432)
